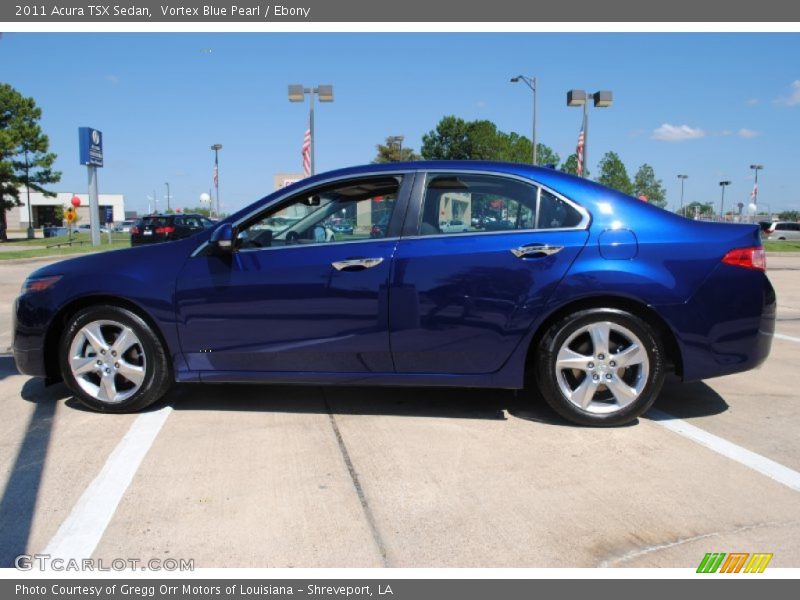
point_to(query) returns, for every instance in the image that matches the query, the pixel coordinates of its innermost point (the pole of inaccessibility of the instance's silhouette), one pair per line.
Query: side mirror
(222, 239)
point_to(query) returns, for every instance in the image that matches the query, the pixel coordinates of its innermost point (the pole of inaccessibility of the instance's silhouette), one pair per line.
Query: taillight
(167, 229)
(749, 258)
(135, 230)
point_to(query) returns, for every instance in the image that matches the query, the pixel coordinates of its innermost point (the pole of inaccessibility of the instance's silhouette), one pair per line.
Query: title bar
(450, 11)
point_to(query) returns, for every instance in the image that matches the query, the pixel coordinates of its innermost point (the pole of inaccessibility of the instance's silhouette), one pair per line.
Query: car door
(288, 300)
(462, 301)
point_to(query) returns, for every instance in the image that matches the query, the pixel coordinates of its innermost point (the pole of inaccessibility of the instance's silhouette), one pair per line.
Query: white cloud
(112, 79)
(752, 102)
(747, 134)
(792, 99)
(677, 133)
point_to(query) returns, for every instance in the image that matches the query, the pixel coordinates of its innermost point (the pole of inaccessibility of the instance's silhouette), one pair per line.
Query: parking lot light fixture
(533, 85)
(682, 178)
(601, 99)
(297, 93)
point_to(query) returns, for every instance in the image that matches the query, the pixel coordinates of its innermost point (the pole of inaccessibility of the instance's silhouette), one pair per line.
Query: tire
(591, 386)
(109, 372)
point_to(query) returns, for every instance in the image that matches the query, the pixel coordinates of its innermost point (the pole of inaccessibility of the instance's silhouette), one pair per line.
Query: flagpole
(585, 139)
(311, 129)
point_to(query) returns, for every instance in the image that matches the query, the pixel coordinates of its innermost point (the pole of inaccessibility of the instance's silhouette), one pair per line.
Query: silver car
(783, 230)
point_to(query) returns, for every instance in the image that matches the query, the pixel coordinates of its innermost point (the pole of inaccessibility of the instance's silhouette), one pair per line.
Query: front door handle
(535, 250)
(356, 264)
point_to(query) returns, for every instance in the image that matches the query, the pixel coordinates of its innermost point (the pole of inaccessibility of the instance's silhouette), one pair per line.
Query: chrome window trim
(586, 217)
(316, 245)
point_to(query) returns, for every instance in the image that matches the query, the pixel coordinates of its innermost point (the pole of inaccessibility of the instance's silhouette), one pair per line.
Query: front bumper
(29, 328)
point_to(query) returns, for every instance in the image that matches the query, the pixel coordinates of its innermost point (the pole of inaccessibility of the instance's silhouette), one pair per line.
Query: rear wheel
(112, 360)
(600, 367)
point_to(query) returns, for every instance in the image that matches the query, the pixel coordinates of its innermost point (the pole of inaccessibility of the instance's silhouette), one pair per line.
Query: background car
(587, 295)
(343, 226)
(783, 230)
(454, 226)
(86, 228)
(166, 228)
(125, 226)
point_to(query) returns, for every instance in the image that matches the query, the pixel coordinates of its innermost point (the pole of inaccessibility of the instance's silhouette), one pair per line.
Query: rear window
(155, 221)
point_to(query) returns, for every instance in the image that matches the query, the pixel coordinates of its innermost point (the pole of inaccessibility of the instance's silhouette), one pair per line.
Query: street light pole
(216, 148)
(166, 183)
(756, 168)
(28, 192)
(531, 82)
(723, 185)
(682, 178)
(324, 93)
(601, 99)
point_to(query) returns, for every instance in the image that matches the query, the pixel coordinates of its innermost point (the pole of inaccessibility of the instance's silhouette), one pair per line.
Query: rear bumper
(727, 326)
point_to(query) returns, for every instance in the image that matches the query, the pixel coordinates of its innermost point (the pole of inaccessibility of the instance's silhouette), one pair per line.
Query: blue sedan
(554, 284)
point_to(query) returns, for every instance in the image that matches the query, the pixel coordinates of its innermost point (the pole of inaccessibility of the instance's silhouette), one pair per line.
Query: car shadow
(676, 399)
(18, 500)
(8, 367)
(689, 400)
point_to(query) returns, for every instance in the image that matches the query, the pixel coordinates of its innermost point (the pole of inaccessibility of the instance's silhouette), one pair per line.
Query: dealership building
(43, 209)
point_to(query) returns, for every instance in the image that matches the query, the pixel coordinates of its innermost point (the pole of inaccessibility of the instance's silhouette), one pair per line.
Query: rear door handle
(356, 264)
(535, 250)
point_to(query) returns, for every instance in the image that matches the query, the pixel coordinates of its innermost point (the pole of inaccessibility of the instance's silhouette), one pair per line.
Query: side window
(346, 211)
(554, 213)
(462, 203)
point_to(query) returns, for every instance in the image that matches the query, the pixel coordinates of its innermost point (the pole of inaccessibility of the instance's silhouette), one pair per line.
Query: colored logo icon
(734, 562)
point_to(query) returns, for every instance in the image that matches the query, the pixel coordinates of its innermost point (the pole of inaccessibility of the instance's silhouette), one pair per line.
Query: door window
(471, 203)
(315, 216)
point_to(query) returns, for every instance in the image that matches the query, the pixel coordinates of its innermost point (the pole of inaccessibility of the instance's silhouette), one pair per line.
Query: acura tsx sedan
(554, 283)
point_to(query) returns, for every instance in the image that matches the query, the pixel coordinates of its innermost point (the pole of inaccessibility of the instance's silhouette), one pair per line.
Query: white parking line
(80, 533)
(762, 464)
(787, 338)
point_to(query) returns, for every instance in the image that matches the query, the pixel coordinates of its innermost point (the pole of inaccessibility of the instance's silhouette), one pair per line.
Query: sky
(707, 105)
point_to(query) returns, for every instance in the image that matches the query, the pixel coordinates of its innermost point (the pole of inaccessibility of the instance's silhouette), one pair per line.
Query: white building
(43, 209)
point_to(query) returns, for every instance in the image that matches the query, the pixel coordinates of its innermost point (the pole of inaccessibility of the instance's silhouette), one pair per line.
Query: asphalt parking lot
(267, 476)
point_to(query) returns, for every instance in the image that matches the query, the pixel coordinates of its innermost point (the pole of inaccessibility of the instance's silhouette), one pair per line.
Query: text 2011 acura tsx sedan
(589, 295)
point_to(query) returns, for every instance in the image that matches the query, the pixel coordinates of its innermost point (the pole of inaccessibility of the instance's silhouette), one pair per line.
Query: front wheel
(112, 360)
(600, 367)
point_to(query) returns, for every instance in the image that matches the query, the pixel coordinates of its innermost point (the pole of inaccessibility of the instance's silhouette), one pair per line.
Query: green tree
(646, 184)
(789, 215)
(571, 165)
(613, 174)
(694, 209)
(456, 139)
(449, 141)
(24, 151)
(197, 210)
(545, 155)
(392, 152)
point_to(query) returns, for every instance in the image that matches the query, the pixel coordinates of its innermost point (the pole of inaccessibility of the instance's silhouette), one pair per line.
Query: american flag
(306, 153)
(216, 174)
(754, 193)
(579, 149)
